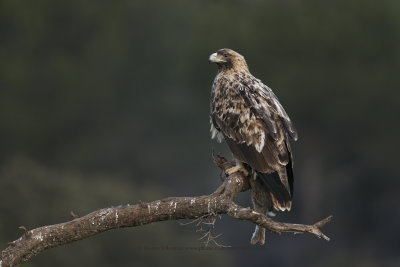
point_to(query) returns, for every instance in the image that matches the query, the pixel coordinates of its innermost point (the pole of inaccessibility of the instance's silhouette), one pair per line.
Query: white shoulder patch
(216, 133)
(260, 144)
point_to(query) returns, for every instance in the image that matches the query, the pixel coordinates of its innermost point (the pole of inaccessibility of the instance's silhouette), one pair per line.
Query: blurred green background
(106, 103)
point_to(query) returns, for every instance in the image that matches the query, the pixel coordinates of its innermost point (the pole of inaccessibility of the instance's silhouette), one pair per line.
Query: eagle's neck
(236, 65)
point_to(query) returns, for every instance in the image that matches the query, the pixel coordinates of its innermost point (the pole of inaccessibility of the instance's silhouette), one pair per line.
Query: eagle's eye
(223, 53)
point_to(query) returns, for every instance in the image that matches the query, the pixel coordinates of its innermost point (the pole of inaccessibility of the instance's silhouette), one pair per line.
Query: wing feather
(270, 109)
(247, 111)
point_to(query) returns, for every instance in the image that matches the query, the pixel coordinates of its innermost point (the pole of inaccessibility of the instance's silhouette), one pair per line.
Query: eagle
(248, 116)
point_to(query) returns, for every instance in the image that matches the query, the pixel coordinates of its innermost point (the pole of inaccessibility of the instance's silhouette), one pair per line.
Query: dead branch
(35, 241)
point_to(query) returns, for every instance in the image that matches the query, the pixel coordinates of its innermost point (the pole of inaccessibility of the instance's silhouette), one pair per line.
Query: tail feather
(280, 195)
(289, 173)
(280, 184)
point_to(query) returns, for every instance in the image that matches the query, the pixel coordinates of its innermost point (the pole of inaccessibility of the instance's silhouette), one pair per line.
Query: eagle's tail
(280, 196)
(280, 185)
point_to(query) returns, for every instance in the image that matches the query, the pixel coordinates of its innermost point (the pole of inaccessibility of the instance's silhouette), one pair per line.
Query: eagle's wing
(250, 113)
(269, 110)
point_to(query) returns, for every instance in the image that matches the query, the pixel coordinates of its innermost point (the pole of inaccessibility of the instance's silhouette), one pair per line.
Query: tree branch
(174, 208)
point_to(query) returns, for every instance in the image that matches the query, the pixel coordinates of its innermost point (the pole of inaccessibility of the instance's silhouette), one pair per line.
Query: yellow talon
(237, 169)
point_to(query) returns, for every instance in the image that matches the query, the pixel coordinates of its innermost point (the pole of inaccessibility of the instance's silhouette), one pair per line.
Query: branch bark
(174, 208)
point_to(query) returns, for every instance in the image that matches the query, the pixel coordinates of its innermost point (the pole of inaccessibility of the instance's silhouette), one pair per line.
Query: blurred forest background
(106, 103)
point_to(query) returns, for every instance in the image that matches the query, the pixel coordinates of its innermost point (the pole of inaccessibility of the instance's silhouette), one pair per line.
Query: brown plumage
(247, 114)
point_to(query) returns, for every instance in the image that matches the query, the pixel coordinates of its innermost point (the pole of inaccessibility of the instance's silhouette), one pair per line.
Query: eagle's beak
(215, 58)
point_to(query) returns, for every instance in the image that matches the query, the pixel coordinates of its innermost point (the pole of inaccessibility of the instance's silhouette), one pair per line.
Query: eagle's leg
(258, 236)
(262, 204)
(238, 168)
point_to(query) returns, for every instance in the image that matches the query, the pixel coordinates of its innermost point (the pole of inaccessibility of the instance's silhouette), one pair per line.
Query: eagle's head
(227, 59)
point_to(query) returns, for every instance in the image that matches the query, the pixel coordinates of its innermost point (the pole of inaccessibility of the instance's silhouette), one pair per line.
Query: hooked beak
(215, 58)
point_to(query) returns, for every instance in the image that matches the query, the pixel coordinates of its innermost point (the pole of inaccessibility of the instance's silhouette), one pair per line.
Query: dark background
(106, 103)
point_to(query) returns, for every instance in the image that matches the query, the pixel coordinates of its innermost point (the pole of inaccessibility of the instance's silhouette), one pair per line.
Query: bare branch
(35, 241)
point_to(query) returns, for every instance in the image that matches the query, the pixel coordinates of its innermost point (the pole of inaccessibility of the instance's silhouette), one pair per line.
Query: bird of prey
(248, 116)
